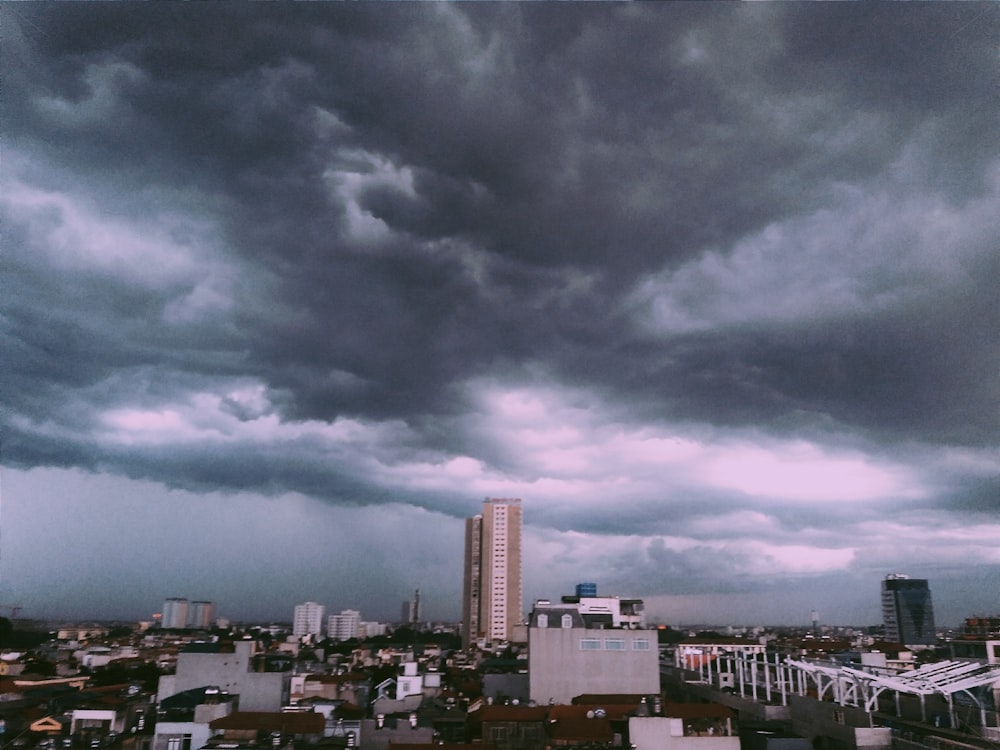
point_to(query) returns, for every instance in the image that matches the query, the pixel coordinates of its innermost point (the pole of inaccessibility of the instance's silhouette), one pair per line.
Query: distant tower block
(586, 589)
(201, 614)
(307, 620)
(907, 610)
(814, 616)
(491, 592)
(175, 613)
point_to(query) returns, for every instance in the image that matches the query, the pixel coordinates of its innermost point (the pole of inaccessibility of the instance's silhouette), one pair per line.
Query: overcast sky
(288, 290)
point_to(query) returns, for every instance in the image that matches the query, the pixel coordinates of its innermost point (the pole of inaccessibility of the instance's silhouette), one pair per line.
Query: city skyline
(286, 290)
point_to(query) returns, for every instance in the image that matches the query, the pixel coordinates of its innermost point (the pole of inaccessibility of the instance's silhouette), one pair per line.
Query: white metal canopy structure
(944, 678)
(768, 676)
(860, 688)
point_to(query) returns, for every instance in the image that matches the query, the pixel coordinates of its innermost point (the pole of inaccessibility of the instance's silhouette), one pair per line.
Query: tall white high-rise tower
(200, 614)
(308, 619)
(491, 595)
(175, 613)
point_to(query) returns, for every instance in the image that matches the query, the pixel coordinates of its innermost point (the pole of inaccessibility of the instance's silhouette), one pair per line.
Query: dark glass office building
(907, 611)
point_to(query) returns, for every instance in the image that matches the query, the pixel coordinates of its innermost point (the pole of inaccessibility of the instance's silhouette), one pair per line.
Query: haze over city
(288, 290)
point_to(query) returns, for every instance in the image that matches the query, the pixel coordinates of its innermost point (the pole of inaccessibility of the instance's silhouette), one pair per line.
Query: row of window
(612, 644)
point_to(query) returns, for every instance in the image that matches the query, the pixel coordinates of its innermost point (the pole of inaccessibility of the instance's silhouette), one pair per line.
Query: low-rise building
(570, 653)
(232, 668)
(183, 720)
(275, 729)
(685, 726)
(509, 727)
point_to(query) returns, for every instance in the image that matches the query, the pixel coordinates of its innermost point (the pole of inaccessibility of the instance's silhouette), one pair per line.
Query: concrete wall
(167, 730)
(257, 691)
(683, 683)
(506, 686)
(559, 669)
(662, 733)
(837, 727)
(395, 732)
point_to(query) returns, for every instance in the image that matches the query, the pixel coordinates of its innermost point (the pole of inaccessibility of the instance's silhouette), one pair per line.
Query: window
(614, 644)
(542, 621)
(590, 644)
(567, 621)
(498, 734)
(640, 644)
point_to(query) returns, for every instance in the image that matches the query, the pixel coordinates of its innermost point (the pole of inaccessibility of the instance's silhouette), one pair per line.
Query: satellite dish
(590, 714)
(600, 713)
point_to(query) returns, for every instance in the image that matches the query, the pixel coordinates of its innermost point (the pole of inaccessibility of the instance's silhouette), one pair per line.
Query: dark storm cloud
(343, 250)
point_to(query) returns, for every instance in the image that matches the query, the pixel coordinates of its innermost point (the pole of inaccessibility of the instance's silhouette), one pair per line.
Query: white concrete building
(492, 592)
(188, 728)
(104, 720)
(685, 727)
(175, 613)
(345, 626)
(233, 669)
(308, 619)
(372, 629)
(201, 615)
(570, 655)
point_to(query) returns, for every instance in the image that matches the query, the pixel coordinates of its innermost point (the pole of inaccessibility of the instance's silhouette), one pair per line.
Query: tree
(669, 636)
(39, 665)
(13, 638)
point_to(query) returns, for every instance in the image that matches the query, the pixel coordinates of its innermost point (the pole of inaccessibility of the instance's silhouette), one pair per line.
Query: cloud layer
(711, 287)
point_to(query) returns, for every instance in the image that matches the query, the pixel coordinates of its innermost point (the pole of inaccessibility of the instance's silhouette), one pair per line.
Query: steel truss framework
(767, 676)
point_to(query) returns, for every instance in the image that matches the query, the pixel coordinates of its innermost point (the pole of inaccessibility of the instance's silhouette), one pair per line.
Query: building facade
(491, 595)
(345, 626)
(308, 619)
(907, 610)
(573, 652)
(233, 668)
(201, 615)
(175, 613)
